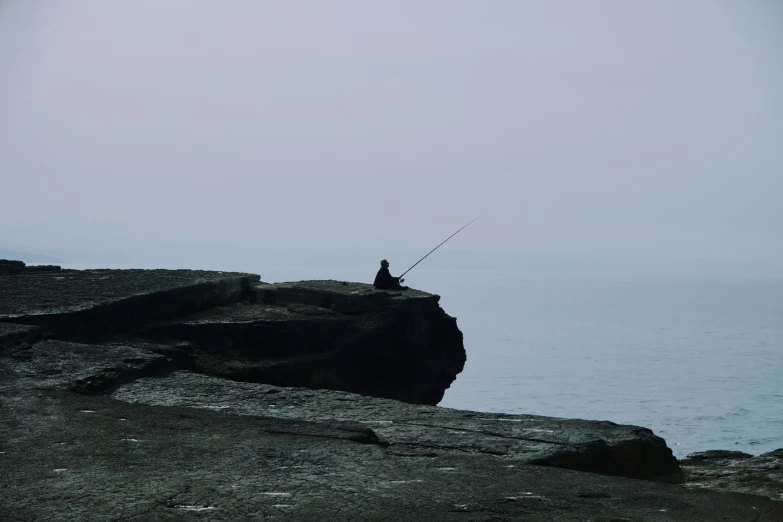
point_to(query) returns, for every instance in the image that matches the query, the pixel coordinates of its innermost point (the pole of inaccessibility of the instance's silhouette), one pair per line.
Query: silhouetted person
(385, 281)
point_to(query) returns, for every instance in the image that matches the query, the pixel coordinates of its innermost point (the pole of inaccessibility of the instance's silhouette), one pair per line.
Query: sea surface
(697, 360)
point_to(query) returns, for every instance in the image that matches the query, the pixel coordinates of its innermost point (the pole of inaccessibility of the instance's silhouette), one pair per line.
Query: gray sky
(611, 127)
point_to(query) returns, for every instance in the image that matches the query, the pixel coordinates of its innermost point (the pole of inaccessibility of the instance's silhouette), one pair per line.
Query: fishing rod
(437, 247)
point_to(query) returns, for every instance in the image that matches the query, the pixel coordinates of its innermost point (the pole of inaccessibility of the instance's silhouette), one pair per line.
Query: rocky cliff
(326, 334)
(317, 334)
(163, 395)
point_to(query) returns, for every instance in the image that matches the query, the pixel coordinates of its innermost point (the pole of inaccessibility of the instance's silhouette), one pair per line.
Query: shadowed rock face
(319, 334)
(15, 334)
(8, 266)
(326, 334)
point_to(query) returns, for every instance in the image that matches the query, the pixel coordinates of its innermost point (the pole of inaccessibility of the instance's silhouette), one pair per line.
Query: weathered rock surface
(85, 304)
(71, 457)
(98, 420)
(168, 445)
(736, 472)
(85, 368)
(599, 447)
(13, 335)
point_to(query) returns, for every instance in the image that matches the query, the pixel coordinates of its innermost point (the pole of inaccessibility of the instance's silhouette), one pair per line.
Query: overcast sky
(610, 127)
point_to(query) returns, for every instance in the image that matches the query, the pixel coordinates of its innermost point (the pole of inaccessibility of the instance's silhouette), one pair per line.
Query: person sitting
(385, 281)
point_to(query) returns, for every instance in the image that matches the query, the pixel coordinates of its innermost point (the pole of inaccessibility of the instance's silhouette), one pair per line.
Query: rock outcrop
(319, 334)
(736, 471)
(19, 267)
(326, 334)
(156, 395)
(598, 447)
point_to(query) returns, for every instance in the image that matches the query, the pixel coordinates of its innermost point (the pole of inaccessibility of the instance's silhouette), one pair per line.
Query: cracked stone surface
(601, 447)
(85, 368)
(736, 472)
(70, 456)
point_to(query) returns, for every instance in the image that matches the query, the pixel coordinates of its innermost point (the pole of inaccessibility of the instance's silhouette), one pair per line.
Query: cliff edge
(317, 334)
(162, 395)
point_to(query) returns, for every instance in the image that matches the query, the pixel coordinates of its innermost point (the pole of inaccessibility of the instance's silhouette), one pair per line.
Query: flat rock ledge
(116, 432)
(736, 471)
(91, 304)
(144, 417)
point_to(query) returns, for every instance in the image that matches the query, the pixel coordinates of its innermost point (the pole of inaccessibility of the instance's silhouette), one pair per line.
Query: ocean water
(699, 361)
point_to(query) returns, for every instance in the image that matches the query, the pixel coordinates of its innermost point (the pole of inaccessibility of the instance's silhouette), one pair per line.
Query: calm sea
(700, 362)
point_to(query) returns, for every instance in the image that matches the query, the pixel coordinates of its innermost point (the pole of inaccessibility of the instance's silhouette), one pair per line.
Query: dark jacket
(385, 281)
